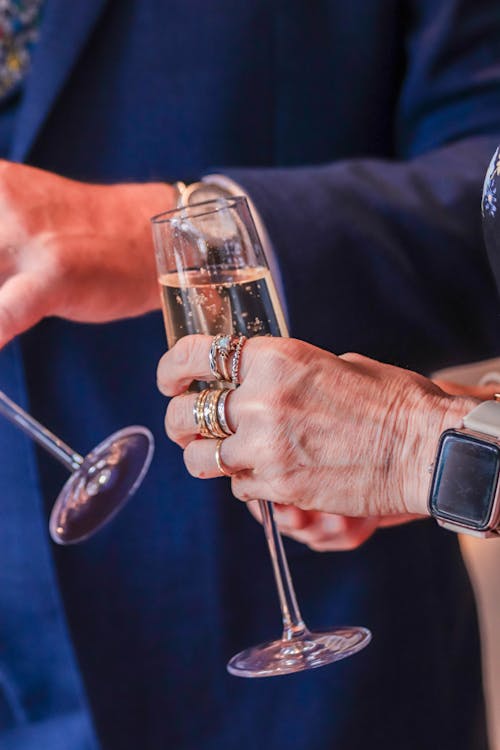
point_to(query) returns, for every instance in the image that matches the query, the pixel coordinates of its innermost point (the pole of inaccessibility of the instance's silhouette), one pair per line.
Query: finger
(188, 360)
(312, 527)
(22, 304)
(180, 420)
(288, 518)
(322, 532)
(332, 533)
(352, 533)
(180, 423)
(200, 459)
(254, 507)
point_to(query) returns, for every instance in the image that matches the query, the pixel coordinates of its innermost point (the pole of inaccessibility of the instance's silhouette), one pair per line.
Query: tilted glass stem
(57, 448)
(293, 624)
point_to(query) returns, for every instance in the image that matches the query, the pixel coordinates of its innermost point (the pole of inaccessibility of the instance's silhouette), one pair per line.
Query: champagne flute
(214, 279)
(100, 483)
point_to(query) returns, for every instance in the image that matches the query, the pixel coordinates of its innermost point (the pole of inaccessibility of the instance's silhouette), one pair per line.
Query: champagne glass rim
(197, 210)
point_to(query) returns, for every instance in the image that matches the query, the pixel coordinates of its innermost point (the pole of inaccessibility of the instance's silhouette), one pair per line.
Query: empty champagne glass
(214, 279)
(100, 483)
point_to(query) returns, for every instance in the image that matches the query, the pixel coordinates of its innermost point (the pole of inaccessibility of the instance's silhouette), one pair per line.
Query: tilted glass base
(107, 478)
(306, 651)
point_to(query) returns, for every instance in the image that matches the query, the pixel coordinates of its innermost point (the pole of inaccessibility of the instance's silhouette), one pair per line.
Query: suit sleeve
(384, 256)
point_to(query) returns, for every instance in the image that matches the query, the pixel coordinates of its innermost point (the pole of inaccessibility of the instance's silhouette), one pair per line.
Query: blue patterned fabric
(19, 29)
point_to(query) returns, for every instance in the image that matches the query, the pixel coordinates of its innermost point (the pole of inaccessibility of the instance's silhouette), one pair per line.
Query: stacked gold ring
(199, 413)
(209, 413)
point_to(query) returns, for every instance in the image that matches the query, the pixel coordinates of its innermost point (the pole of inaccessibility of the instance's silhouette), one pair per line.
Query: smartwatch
(464, 494)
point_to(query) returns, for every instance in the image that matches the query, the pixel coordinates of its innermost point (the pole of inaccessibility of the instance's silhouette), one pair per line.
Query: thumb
(23, 302)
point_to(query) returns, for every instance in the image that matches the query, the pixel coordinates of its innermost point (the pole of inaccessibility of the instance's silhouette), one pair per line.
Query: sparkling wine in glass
(214, 279)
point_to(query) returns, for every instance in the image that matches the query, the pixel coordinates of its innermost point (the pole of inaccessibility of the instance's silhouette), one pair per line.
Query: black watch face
(465, 480)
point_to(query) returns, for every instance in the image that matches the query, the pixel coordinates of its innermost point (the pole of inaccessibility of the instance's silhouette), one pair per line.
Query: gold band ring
(199, 413)
(218, 459)
(210, 414)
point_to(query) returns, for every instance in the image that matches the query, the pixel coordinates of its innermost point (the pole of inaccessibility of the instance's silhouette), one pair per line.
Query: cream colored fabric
(483, 561)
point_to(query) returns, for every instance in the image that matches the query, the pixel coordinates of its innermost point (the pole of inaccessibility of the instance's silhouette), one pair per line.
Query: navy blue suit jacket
(362, 131)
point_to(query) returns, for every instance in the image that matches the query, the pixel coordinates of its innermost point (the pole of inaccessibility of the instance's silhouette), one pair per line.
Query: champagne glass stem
(64, 454)
(293, 624)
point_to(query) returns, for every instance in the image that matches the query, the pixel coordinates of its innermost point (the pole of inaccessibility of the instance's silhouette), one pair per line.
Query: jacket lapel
(65, 29)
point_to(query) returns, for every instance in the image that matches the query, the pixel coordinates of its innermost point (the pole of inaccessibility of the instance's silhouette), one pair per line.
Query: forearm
(120, 214)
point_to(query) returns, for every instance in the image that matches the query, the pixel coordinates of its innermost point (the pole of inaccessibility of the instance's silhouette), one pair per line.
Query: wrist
(430, 417)
(148, 199)
(135, 204)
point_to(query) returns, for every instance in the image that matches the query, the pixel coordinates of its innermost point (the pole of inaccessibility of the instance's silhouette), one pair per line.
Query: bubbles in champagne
(240, 300)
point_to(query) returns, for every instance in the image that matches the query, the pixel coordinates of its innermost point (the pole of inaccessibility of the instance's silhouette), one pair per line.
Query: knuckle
(186, 348)
(269, 354)
(162, 374)
(354, 358)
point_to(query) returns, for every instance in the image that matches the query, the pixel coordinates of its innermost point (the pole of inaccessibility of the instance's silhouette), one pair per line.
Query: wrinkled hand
(74, 250)
(343, 435)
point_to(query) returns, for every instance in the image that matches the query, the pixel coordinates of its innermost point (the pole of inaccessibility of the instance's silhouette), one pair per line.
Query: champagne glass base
(98, 489)
(308, 651)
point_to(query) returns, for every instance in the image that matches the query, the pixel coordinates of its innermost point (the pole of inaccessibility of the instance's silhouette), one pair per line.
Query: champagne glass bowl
(100, 483)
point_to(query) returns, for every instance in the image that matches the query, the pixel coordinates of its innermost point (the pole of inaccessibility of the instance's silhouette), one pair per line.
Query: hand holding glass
(214, 279)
